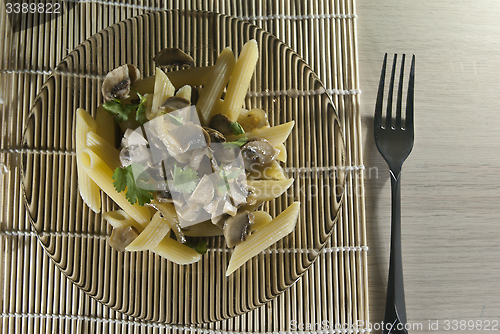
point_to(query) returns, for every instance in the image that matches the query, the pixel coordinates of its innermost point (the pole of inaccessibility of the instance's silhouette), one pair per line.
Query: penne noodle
(107, 152)
(176, 252)
(119, 218)
(272, 232)
(276, 135)
(105, 122)
(194, 76)
(184, 92)
(152, 234)
(89, 191)
(261, 219)
(101, 174)
(240, 80)
(212, 91)
(272, 172)
(163, 90)
(281, 153)
(266, 190)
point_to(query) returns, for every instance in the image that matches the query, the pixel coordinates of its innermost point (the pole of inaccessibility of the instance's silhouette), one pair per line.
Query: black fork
(394, 144)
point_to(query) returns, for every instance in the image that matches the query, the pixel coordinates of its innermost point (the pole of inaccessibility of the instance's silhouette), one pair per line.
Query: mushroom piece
(254, 119)
(121, 237)
(237, 228)
(172, 57)
(204, 191)
(183, 138)
(258, 154)
(221, 123)
(174, 103)
(133, 137)
(117, 82)
(214, 135)
(240, 192)
(164, 196)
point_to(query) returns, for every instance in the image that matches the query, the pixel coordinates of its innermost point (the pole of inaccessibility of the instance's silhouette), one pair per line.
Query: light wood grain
(450, 189)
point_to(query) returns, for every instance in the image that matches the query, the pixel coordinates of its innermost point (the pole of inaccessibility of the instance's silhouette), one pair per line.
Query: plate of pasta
(192, 166)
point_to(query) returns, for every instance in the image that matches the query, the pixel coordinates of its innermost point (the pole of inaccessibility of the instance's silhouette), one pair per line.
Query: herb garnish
(176, 120)
(185, 179)
(236, 128)
(124, 179)
(200, 247)
(121, 110)
(239, 142)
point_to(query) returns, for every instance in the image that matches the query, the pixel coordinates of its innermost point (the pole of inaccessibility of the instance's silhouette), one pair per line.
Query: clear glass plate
(142, 284)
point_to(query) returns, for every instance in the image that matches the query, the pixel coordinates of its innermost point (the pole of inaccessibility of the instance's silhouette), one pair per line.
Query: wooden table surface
(451, 180)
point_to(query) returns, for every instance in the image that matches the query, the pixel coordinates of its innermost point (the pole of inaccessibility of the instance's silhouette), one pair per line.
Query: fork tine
(399, 103)
(388, 120)
(380, 96)
(409, 99)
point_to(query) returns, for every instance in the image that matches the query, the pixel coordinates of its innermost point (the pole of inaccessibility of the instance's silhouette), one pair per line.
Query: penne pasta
(152, 234)
(240, 80)
(104, 121)
(184, 92)
(261, 219)
(176, 252)
(107, 152)
(101, 174)
(282, 154)
(272, 172)
(266, 190)
(212, 91)
(89, 191)
(276, 135)
(274, 231)
(194, 76)
(119, 218)
(163, 90)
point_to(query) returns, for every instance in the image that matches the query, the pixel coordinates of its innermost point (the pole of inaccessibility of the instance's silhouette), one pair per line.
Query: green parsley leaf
(115, 107)
(201, 247)
(239, 142)
(140, 114)
(236, 128)
(124, 179)
(185, 180)
(176, 120)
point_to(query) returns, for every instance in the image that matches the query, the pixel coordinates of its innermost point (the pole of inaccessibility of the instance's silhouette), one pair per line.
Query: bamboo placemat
(36, 297)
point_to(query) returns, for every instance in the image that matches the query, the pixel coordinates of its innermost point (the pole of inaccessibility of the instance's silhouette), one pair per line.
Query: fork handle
(395, 309)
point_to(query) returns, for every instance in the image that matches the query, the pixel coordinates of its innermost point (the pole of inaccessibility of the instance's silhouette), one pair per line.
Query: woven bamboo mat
(37, 298)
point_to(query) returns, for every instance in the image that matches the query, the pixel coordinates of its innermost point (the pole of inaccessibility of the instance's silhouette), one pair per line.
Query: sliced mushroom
(121, 237)
(237, 228)
(240, 192)
(172, 57)
(258, 154)
(164, 196)
(220, 220)
(184, 138)
(133, 137)
(214, 135)
(221, 123)
(204, 191)
(254, 119)
(117, 82)
(174, 103)
(229, 208)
